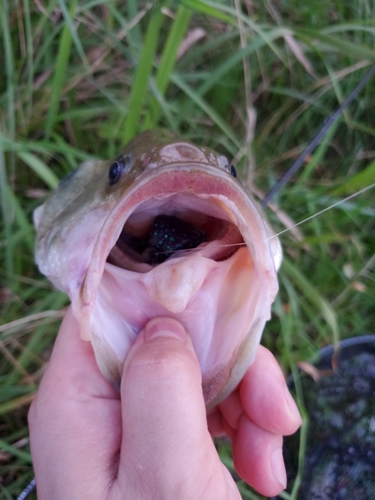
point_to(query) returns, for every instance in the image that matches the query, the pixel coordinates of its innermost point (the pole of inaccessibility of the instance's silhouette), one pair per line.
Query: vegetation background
(253, 79)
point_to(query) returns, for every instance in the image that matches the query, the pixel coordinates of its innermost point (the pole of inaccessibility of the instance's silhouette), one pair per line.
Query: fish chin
(221, 289)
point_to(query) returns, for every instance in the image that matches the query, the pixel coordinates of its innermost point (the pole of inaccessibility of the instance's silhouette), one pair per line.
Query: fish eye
(119, 168)
(224, 163)
(115, 173)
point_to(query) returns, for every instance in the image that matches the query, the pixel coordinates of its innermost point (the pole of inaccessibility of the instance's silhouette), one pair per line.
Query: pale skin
(155, 440)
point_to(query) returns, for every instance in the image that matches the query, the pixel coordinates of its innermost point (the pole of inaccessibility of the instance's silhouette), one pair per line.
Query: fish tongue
(175, 282)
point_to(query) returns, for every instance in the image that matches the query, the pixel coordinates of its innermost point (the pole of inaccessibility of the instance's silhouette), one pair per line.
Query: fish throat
(168, 234)
(172, 227)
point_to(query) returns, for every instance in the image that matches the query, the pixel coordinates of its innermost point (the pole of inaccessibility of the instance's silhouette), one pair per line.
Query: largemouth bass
(165, 229)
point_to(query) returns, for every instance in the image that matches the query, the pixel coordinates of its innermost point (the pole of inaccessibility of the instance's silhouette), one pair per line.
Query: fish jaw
(222, 304)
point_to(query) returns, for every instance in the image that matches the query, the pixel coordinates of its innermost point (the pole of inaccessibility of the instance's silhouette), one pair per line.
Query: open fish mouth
(163, 230)
(182, 244)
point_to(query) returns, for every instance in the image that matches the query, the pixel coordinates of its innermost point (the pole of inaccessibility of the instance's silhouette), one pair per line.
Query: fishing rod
(318, 138)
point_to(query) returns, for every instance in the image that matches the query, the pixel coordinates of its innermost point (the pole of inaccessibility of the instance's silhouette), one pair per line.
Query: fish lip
(199, 179)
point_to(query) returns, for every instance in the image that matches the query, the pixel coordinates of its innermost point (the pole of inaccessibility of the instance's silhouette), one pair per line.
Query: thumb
(165, 442)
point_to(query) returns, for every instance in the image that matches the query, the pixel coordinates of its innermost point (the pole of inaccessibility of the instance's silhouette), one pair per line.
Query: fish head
(164, 229)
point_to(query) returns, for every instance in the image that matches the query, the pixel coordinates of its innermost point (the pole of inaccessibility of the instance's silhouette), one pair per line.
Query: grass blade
(60, 73)
(358, 181)
(29, 61)
(40, 168)
(215, 117)
(237, 58)
(168, 60)
(7, 216)
(350, 49)
(314, 297)
(142, 74)
(9, 68)
(208, 10)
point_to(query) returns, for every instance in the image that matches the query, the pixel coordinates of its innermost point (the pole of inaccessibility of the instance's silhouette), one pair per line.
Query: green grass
(79, 78)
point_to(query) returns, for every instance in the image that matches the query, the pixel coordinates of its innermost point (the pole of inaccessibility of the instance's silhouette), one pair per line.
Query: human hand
(88, 443)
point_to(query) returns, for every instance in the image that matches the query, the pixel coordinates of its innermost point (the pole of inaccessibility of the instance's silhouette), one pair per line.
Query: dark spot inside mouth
(168, 234)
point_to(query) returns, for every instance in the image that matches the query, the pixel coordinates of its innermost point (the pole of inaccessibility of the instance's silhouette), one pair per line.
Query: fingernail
(164, 327)
(278, 467)
(292, 405)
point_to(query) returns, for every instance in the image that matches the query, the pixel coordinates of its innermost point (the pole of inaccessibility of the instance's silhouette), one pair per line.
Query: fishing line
(324, 210)
(318, 138)
(197, 249)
